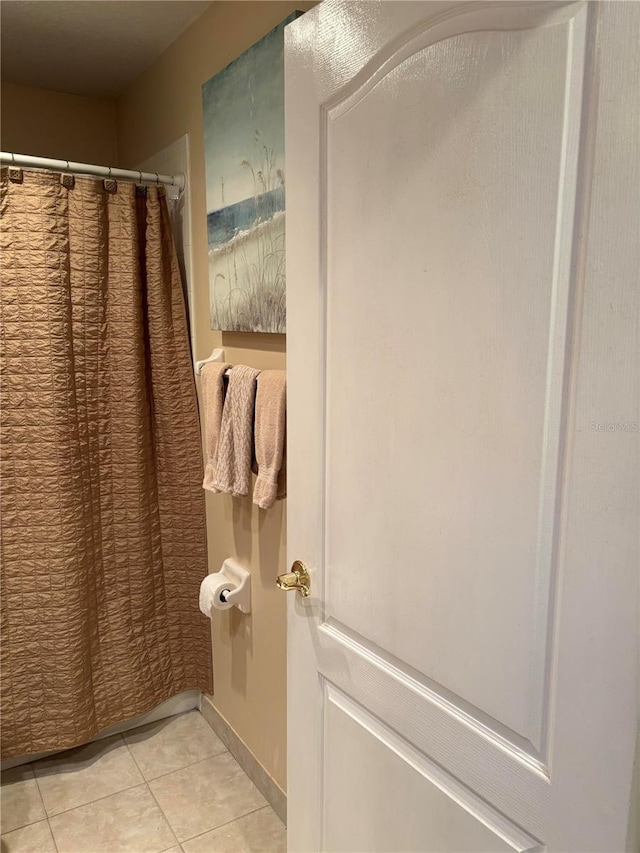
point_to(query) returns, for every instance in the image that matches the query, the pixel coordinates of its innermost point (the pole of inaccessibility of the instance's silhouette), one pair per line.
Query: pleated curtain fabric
(103, 526)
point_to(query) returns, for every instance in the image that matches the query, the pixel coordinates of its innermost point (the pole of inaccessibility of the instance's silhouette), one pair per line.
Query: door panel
(462, 306)
(428, 807)
(458, 226)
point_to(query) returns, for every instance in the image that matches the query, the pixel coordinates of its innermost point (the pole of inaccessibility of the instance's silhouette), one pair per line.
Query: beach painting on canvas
(243, 116)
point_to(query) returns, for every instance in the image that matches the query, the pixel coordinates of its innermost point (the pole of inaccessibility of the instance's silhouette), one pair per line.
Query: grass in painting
(250, 294)
(247, 273)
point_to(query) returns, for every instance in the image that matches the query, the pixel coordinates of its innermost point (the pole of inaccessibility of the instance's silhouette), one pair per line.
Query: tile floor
(168, 786)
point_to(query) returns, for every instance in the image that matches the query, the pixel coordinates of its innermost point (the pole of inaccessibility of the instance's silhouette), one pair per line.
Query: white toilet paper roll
(211, 590)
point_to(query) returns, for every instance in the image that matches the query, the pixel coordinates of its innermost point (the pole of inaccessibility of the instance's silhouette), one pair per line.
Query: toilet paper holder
(239, 592)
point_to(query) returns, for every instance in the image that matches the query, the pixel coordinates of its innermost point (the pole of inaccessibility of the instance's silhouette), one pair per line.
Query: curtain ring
(68, 167)
(157, 179)
(109, 172)
(140, 173)
(13, 158)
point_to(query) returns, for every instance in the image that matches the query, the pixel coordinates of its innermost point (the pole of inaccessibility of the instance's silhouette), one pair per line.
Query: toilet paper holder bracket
(239, 592)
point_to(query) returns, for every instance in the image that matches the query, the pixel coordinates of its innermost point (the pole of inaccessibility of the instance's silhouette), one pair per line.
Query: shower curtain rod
(29, 162)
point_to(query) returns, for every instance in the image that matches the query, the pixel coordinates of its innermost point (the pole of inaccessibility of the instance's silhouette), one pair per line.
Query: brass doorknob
(298, 578)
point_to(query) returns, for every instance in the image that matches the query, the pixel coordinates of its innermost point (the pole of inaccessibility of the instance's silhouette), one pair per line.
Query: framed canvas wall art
(243, 116)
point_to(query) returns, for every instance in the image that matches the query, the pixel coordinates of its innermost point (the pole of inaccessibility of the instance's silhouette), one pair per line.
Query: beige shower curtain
(103, 532)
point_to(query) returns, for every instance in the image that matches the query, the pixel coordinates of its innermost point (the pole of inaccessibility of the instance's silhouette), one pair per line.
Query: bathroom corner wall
(249, 652)
(53, 124)
(174, 160)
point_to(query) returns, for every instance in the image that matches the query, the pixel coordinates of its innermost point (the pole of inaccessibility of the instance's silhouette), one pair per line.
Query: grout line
(55, 843)
(97, 800)
(199, 761)
(176, 769)
(26, 826)
(46, 812)
(145, 782)
(227, 822)
(186, 766)
(153, 796)
(104, 797)
(193, 764)
(173, 832)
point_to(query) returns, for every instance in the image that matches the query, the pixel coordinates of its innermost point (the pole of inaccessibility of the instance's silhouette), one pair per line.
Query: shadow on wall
(271, 524)
(235, 629)
(249, 340)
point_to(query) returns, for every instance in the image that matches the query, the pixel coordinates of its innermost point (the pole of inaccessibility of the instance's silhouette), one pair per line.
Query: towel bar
(216, 355)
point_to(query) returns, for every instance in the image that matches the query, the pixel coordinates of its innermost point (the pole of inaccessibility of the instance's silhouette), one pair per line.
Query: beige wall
(249, 651)
(52, 124)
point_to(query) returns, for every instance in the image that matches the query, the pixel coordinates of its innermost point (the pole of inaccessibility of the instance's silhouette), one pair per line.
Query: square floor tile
(172, 744)
(261, 831)
(35, 838)
(83, 775)
(127, 822)
(20, 800)
(206, 795)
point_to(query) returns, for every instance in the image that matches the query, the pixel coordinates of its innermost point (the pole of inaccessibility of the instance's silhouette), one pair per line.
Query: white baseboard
(260, 777)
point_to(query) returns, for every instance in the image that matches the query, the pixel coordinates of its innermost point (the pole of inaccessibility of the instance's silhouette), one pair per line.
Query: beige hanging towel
(271, 415)
(212, 383)
(233, 459)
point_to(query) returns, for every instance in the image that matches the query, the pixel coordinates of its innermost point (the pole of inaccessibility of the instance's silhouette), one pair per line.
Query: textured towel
(271, 410)
(212, 384)
(233, 460)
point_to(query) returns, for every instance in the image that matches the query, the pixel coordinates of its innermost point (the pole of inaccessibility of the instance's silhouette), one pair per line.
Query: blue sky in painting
(245, 97)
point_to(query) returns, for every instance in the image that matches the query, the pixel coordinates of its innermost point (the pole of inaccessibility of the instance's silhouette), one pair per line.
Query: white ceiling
(88, 47)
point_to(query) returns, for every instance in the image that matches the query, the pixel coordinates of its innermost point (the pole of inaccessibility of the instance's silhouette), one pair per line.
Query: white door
(462, 274)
